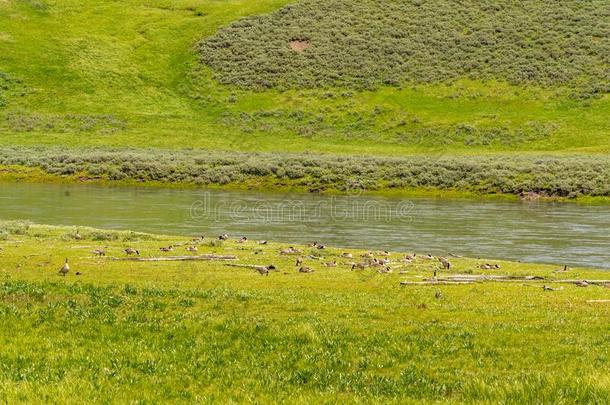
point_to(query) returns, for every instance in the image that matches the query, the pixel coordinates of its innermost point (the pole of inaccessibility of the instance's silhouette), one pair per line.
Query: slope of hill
(130, 75)
(367, 43)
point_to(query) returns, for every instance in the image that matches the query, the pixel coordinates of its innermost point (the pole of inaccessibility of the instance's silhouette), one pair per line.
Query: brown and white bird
(290, 251)
(359, 266)
(446, 263)
(99, 252)
(191, 248)
(65, 269)
(306, 269)
(563, 270)
(264, 270)
(131, 251)
(166, 249)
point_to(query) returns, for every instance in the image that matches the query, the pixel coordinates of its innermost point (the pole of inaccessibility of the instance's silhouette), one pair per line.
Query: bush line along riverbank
(570, 177)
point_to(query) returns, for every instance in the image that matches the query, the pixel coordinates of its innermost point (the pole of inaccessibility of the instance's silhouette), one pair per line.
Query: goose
(359, 266)
(331, 264)
(131, 251)
(264, 270)
(99, 252)
(65, 269)
(224, 236)
(385, 253)
(438, 295)
(299, 261)
(243, 239)
(77, 235)
(290, 251)
(446, 263)
(384, 270)
(191, 248)
(565, 268)
(428, 257)
(582, 283)
(306, 269)
(347, 255)
(166, 249)
(367, 255)
(262, 242)
(411, 257)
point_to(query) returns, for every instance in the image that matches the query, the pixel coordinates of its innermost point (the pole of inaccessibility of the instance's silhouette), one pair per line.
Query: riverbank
(583, 178)
(204, 331)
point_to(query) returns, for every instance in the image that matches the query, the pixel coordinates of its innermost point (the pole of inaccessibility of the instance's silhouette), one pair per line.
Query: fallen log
(594, 282)
(502, 279)
(251, 266)
(437, 282)
(499, 279)
(597, 301)
(176, 258)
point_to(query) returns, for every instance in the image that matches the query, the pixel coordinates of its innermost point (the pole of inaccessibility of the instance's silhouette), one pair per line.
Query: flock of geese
(380, 261)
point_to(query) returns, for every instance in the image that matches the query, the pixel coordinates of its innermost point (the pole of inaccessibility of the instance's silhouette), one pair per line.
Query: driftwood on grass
(484, 277)
(435, 282)
(594, 282)
(474, 278)
(250, 266)
(178, 258)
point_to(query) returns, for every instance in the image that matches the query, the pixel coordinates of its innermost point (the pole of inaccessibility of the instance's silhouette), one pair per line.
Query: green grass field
(201, 331)
(110, 73)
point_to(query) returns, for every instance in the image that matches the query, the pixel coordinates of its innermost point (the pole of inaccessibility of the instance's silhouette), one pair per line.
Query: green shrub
(367, 43)
(554, 176)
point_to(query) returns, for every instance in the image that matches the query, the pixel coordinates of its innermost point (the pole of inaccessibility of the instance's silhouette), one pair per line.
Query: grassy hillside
(204, 332)
(367, 43)
(129, 73)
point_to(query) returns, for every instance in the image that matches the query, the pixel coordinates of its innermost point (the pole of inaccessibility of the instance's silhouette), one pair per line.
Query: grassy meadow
(200, 331)
(130, 74)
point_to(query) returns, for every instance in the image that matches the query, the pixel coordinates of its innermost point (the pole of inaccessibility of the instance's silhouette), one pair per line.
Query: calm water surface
(534, 232)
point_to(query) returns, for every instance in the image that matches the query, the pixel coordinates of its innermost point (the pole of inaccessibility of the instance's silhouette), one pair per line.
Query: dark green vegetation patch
(549, 176)
(367, 43)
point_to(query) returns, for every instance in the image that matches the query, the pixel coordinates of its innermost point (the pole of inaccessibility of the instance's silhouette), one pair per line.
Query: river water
(561, 233)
